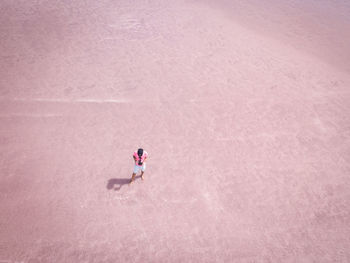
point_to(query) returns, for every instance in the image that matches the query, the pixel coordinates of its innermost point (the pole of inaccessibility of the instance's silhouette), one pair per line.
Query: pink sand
(249, 100)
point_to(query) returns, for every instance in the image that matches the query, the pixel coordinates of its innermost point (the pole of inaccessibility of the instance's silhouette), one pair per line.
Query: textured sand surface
(243, 107)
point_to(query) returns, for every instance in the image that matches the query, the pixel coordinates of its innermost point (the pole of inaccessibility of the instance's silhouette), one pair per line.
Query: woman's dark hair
(140, 152)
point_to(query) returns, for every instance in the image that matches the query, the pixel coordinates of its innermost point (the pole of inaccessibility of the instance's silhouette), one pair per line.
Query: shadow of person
(117, 183)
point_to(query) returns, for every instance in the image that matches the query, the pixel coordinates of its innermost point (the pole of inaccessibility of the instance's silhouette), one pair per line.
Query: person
(140, 157)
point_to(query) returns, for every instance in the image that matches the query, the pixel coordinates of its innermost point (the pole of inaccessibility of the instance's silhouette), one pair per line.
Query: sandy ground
(243, 107)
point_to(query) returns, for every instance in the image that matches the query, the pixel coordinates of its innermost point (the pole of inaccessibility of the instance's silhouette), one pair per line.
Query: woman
(140, 157)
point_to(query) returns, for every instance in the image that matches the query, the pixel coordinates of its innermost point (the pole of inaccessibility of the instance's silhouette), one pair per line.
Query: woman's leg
(132, 178)
(136, 169)
(143, 170)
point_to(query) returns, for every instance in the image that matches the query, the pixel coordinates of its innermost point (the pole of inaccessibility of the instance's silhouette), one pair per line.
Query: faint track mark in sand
(25, 115)
(180, 201)
(271, 136)
(127, 22)
(320, 125)
(65, 100)
(131, 26)
(120, 197)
